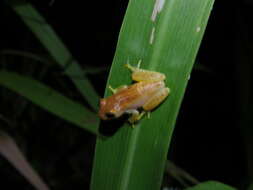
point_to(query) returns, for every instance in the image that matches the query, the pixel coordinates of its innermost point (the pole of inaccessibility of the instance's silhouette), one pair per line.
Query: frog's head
(108, 111)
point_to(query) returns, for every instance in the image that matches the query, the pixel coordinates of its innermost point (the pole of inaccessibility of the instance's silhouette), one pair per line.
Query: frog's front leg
(118, 89)
(156, 99)
(144, 75)
(136, 115)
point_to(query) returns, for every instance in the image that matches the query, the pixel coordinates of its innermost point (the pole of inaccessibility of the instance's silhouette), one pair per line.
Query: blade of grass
(10, 150)
(24, 54)
(180, 175)
(50, 100)
(46, 35)
(211, 185)
(165, 35)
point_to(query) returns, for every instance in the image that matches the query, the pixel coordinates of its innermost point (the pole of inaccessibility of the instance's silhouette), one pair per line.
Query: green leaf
(211, 185)
(26, 55)
(165, 41)
(46, 35)
(50, 100)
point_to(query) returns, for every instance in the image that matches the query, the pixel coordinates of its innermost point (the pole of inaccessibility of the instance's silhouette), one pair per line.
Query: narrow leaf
(11, 152)
(24, 54)
(183, 177)
(50, 100)
(46, 35)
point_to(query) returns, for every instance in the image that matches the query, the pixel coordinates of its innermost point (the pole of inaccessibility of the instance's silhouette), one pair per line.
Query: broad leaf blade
(167, 42)
(50, 100)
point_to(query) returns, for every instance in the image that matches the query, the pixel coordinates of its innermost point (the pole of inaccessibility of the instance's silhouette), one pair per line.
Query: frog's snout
(110, 115)
(104, 113)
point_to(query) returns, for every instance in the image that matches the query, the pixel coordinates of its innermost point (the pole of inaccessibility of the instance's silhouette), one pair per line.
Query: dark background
(211, 133)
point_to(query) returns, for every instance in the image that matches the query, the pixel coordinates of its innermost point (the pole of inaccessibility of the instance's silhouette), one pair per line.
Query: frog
(146, 93)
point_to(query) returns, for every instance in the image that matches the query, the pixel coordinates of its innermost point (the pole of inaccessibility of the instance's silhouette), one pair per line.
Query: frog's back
(137, 94)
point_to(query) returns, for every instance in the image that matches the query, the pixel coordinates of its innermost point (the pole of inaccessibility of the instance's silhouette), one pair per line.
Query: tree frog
(145, 94)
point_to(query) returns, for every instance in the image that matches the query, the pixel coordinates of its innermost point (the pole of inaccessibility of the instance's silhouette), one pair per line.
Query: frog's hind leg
(144, 75)
(132, 68)
(156, 99)
(118, 89)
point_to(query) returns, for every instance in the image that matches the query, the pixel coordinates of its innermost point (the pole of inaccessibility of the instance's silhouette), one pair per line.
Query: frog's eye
(110, 115)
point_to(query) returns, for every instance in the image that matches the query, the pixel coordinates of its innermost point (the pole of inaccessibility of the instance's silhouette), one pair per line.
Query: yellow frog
(147, 93)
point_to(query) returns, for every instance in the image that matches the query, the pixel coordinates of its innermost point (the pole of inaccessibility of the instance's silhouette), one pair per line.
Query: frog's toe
(148, 114)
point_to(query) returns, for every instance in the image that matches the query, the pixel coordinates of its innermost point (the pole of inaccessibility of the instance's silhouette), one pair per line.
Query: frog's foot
(139, 64)
(136, 116)
(112, 89)
(132, 68)
(115, 90)
(148, 114)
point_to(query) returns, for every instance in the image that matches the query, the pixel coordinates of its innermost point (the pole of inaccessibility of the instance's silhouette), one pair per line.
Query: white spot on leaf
(157, 8)
(160, 4)
(198, 29)
(152, 35)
